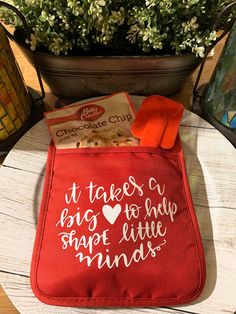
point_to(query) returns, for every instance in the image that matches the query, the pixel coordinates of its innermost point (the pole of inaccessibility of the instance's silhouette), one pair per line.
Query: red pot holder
(117, 228)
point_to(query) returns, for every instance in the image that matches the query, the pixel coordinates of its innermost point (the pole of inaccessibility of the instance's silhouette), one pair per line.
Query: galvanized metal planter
(82, 77)
(87, 76)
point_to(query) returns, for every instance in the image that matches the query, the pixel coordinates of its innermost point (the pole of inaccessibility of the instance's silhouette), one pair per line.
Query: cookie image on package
(123, 137)
(110, 138)
(94, 140)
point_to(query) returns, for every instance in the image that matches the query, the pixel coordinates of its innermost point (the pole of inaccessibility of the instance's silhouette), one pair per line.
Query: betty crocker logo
(90, 112)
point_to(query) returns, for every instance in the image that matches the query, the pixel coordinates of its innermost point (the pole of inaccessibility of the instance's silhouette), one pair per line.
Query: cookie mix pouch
(102, 122)
(117, 227)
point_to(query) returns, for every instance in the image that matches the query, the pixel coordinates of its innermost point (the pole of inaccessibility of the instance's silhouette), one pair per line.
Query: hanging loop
(27, 32)
(227, 10)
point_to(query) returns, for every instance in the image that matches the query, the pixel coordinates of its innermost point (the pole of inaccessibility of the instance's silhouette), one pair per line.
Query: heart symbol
(111, 213)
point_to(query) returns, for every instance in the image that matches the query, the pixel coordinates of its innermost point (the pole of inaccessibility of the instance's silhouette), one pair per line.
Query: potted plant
(90, 47)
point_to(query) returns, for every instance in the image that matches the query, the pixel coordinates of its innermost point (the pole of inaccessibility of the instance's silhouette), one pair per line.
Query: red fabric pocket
(117, 228)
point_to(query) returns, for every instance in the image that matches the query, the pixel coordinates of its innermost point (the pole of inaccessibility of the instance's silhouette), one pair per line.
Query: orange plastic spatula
(157, 121)
(149, 121)
(171, 130)
(153, 131)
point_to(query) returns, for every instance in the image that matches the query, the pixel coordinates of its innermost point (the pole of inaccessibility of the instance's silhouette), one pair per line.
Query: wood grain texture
(209, 157)
(6, 306)
(206, 151)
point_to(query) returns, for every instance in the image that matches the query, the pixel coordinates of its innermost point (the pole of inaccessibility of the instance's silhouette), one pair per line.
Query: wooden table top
(210, 161)
(209, 158)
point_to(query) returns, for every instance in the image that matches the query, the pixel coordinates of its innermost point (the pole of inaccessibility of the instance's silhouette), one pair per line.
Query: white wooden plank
(215, 298)
(218, 295)
(35, 152)
(209, 192)
(19, 291)
(218, 225)
(30, 152)
(207, 142)
(210, 159)
(20, 194)
(19, 236)
(23, 202)
(16, 245)
(201, 163)
(191, 119)
(33, 146)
